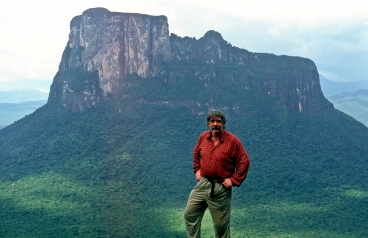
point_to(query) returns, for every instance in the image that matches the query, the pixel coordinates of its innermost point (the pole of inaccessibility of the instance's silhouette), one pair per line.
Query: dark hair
(216, 113)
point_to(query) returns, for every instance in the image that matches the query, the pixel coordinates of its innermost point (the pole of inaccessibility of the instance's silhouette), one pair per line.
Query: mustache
(215, 127)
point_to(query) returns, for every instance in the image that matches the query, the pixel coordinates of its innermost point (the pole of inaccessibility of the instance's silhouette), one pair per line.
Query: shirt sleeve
(197, 155)
(242, 165)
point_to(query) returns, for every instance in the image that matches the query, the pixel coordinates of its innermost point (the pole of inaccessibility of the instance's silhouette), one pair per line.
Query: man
(220, 162)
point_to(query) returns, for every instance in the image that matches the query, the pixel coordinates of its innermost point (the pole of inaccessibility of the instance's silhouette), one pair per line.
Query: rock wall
(113, 44)
(104, 47)
(294, 79)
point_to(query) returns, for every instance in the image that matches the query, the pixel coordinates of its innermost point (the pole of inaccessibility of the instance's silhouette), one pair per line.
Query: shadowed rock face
(104, 47)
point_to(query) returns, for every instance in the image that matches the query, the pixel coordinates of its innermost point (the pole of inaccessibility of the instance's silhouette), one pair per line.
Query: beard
(216, 130)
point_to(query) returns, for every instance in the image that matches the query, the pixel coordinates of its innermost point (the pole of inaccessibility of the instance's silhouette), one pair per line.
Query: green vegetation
(79, 80)
(123, 169)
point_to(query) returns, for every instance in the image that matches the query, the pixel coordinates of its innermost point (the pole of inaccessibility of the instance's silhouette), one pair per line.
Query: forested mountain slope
(95, 162)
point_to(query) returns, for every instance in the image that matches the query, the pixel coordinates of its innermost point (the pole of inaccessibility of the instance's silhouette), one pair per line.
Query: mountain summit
(105, 47)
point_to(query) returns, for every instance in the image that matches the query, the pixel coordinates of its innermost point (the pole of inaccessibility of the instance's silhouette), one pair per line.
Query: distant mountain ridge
(11, 112)
(16, 104)
(354, 104)
(18, 96)
(348, 97)
(331, 88)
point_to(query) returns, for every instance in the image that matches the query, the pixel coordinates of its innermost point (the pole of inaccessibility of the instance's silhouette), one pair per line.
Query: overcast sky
(332, 33)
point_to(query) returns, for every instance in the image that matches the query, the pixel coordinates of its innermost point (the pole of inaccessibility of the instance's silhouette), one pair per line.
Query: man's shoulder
(230, 136)
(205, 134)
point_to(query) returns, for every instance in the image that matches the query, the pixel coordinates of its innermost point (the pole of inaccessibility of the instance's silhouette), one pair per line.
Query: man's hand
(198, 175)
(227, 183)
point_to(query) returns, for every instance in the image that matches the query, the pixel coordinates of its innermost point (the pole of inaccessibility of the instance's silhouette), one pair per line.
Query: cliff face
(104, 47)
(294, 79)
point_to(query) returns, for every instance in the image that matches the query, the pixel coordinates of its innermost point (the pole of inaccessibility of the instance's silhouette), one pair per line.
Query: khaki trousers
(219, 206)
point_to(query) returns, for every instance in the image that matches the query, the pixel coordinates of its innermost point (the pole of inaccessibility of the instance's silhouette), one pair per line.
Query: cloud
(274, 32)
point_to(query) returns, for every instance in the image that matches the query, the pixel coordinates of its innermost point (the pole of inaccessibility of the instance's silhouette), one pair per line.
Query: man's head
(216, 121)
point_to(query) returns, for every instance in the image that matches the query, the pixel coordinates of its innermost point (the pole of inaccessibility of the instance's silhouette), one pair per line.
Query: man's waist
(214, 180)
(216, 175)
(212, 171)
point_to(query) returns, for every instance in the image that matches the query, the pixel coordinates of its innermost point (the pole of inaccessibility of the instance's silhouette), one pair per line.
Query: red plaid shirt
(228, 159)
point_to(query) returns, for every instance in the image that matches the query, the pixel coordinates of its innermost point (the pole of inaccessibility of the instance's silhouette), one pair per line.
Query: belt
(213, 181)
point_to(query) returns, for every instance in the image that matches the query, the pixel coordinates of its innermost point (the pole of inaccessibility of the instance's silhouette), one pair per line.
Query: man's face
(216, 126)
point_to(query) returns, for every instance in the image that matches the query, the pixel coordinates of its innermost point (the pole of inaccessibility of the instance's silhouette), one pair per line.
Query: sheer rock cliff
(105, 47)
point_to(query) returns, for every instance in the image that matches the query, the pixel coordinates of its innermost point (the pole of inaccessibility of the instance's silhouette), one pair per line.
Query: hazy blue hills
(10, 112)
(354, 104)
(331, 88)
(348, 97)
(18, 96)
(16, 104)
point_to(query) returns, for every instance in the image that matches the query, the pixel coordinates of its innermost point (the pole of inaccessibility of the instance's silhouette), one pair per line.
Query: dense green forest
(124, 169)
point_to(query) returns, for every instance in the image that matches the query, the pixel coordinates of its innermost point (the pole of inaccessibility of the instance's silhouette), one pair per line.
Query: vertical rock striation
(104, 47)
(294, 79)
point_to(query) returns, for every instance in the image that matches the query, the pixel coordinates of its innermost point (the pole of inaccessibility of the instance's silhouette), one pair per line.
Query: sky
(332, 33)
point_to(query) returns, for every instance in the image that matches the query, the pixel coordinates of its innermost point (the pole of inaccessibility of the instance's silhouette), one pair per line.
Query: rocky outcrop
(294, 79)
(113, 45)
(105, 47)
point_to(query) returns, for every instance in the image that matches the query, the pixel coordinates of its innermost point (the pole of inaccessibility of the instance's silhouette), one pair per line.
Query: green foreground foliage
(123, 169)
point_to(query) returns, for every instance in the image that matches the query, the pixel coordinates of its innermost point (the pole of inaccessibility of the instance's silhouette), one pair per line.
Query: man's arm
(242, 165)
(196, 160)
(198, 175)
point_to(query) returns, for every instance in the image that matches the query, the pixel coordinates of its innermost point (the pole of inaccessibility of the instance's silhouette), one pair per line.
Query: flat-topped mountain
(105, 47)
(110, 154)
